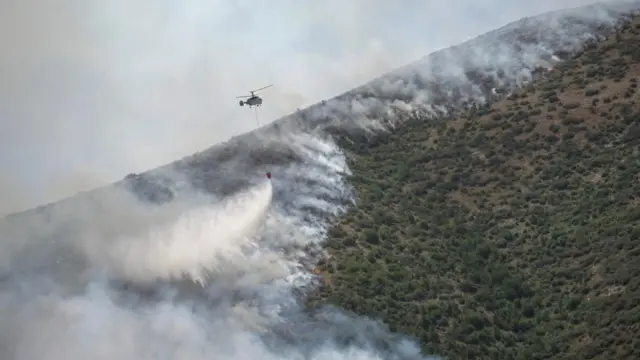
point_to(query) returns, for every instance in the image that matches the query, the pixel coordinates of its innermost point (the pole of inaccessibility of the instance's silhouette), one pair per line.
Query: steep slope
(118, 256)
(512, 231)
(444, 82)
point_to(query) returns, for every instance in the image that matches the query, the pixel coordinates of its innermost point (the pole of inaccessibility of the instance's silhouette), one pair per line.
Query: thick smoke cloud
(196, 279)
(94, 90)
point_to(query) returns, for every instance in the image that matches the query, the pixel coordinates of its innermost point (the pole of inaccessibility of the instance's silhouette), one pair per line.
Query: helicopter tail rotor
(241, 103)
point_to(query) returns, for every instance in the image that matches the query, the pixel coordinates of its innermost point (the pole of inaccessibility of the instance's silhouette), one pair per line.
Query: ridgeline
(511, 232)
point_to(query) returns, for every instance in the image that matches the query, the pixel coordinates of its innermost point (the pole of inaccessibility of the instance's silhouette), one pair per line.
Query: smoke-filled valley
(205, 258)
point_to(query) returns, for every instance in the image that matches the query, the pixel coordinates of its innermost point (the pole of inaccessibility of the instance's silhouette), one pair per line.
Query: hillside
(494, 187)
(442, 83)
(511, 231)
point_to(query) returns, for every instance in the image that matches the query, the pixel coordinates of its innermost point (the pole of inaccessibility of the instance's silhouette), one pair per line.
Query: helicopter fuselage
(252, 101)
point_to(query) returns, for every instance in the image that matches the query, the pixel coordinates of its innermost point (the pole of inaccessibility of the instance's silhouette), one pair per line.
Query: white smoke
(199, 280)
(198, 241)
(92, 91)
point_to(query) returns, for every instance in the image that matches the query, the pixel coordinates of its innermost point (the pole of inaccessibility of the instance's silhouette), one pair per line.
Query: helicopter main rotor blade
(262, 88)
(244, 96)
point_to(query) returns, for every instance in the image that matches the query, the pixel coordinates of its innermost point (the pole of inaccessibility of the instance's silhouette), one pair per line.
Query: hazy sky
(94, 89)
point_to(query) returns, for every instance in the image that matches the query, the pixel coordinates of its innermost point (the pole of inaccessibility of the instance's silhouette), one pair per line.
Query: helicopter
(253, 99)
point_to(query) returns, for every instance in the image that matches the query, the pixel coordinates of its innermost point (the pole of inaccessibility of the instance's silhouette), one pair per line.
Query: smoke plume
(92, 91)
(198, 275)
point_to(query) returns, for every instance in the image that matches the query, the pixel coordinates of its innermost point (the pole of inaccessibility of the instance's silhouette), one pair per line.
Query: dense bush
(518, 235)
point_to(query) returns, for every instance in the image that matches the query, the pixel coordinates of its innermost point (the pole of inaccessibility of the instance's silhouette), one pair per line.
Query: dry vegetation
(512, 232)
